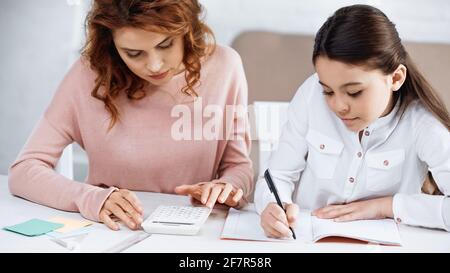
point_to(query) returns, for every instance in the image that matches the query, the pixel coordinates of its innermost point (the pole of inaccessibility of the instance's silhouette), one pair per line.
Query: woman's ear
(398, 77)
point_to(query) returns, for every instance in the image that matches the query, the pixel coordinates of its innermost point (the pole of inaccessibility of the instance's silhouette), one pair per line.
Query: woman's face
(152, 56)
(356, 95)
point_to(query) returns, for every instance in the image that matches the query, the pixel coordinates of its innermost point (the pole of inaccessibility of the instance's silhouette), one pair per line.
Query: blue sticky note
(34, 227)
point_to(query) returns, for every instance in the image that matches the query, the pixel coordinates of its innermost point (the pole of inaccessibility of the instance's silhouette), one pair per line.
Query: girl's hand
(208, 193)
(378, 208)
(122, 205)
(276, 222)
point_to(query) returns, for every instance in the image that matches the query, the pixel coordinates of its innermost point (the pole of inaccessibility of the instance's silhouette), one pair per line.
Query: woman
(142, 60)
(362, 133)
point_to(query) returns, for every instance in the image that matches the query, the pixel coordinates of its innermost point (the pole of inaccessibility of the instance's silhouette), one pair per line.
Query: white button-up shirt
(320, 162)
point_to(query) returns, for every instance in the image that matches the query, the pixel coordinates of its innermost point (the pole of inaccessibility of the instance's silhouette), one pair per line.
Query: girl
(141, 60)
(362, 133)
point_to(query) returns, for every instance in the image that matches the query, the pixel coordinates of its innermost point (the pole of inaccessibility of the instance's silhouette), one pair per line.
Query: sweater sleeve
(235, 165)
(32, 175)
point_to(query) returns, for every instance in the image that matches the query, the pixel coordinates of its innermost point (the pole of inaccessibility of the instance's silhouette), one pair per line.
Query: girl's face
(356, 95)
(152, 56)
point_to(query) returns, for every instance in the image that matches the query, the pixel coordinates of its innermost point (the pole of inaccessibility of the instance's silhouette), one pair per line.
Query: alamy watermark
(204, 121)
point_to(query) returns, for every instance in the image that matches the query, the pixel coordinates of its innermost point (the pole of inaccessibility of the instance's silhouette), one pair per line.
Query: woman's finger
(225, 193)
(184, 189)
(117, 211)
(238, 195)
(195, 201)
(197, 193)
(134, 201)
(128, 208)
(215, 192)
(206, 189)
(104, 218)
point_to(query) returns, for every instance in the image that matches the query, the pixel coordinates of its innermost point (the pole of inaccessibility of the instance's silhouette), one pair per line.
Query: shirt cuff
(446, 212)
(419, 210)
(263, 196)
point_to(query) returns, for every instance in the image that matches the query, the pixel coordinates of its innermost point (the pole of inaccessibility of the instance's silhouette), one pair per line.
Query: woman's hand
(378, 208)
(275, 222)
(122, 205)
(208, 193)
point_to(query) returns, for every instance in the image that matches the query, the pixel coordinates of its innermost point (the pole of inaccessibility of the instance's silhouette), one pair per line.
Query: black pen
(273, 189)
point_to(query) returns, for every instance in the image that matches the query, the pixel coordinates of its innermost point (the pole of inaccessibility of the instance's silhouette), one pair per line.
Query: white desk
(14, 210)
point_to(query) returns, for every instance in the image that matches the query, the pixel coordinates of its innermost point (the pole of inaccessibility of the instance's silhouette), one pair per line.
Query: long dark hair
(364, 35)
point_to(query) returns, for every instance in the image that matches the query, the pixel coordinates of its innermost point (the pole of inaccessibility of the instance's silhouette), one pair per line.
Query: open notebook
(245, 225)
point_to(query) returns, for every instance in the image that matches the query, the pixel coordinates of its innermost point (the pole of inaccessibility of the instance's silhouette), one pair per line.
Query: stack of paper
(79, 236)
(70, 224)
(34, 227)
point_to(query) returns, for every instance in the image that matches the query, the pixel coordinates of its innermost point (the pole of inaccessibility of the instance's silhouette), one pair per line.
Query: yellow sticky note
(69, 224)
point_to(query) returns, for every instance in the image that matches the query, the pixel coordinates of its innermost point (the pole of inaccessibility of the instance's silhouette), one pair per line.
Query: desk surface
(14, 210)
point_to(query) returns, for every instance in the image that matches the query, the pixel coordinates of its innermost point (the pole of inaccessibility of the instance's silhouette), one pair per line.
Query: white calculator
(183, 220)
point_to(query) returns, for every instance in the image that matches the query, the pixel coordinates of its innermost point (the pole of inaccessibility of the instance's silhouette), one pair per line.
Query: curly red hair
(172, 17)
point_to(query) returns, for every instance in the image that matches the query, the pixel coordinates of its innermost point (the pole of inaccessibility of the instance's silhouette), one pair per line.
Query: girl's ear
(398, 77)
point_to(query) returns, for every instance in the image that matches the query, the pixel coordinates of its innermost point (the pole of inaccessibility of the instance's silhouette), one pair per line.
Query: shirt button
(351, 180)
(386, 162)
(359, 154)
(399, 220)
(322, 146)
(367, 133)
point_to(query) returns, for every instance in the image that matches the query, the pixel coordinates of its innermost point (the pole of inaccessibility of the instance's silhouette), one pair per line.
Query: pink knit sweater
(140, 152)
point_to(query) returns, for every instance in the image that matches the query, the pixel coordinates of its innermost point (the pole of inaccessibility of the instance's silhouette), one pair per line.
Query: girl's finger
(347, 217)
(281, 228)
(273, 233)
(339, 211)
(291, 214)
(325, 209)
(270, 231)
(278, 214)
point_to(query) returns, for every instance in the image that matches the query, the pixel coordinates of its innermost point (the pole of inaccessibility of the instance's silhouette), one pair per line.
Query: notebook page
(244, 224)
(384, 231)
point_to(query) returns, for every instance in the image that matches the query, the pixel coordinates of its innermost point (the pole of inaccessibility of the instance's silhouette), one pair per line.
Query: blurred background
(41, 39)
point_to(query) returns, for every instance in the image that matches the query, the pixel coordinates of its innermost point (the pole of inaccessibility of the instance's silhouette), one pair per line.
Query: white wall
(416, 20)
(40, 39)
